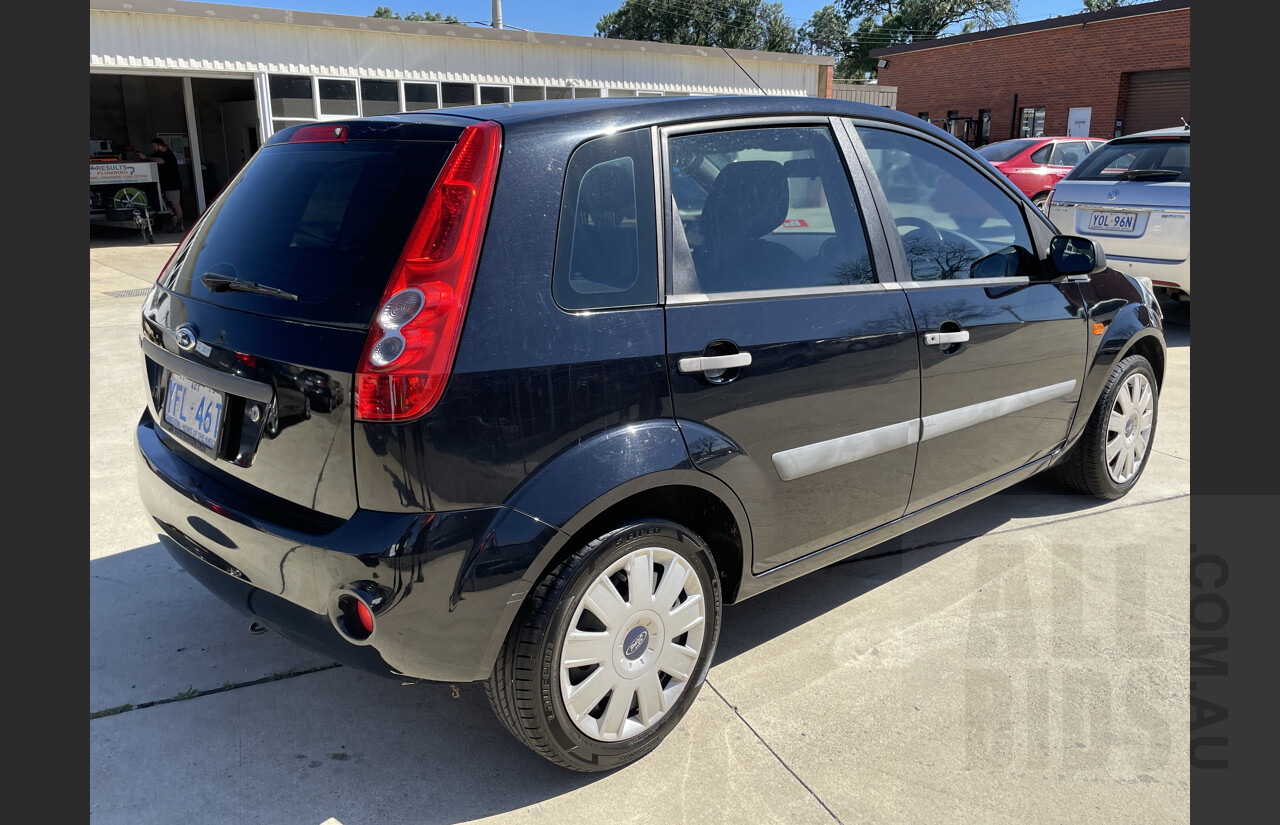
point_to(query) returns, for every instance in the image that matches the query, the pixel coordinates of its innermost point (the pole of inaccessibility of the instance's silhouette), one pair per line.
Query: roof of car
(1172, 130)
(627, 112)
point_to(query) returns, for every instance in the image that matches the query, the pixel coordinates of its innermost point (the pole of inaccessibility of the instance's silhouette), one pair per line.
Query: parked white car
(1133, 196)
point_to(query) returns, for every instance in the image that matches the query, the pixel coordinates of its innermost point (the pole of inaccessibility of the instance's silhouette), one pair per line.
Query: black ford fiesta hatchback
(524, 394)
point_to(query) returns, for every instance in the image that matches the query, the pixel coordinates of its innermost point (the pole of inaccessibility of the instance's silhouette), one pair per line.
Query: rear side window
(1159, 159)
(606, 248)
(325, 222)
(1041, 155)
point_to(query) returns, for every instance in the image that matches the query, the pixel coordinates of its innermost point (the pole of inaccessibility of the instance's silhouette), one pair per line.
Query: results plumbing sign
(122, 173)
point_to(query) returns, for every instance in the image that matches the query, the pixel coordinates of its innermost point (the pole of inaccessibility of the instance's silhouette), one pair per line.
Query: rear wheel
(1112, 452)
(612, 648)
(1040, 200)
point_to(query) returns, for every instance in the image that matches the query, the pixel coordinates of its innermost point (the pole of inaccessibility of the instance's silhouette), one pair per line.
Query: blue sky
(578, 16)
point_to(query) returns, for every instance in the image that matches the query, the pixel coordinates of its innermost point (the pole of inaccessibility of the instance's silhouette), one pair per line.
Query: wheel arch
(585, 492)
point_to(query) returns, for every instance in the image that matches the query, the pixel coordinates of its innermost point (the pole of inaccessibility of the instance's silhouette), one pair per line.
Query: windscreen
(319, 225)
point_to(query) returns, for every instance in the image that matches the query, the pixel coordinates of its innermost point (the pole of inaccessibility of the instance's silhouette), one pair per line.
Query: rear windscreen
(1005, 149)
(1160, 160)
(325, 222)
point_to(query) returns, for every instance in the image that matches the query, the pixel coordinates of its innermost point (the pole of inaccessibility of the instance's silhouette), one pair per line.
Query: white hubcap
(1129, 428)
(632, 645)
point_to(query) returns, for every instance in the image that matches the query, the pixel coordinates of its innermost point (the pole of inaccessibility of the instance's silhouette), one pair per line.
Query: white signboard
(1078, 121)
(122, 173)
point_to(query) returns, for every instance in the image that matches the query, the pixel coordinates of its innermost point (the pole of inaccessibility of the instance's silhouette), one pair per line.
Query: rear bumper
(1167, 274)
(444, 587)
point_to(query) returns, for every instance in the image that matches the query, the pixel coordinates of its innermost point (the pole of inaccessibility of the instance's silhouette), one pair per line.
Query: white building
(219, 79)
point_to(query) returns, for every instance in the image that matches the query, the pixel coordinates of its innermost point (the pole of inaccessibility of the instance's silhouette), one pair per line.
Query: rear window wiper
(1140, 174)
(221, 283)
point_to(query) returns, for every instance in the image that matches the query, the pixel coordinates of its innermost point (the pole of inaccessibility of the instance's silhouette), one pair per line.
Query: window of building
(421, 96)
(559, 93)
(379, 97)
(292, 97)
(521, 93)
(1031, 121)
(458, 94)
(922, 115)
(495, 94)
(338, 97)
(584, 92)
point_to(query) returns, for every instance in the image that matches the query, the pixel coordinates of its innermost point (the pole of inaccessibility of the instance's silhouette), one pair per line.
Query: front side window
(764, 208)
(607, 246)
(949, 215)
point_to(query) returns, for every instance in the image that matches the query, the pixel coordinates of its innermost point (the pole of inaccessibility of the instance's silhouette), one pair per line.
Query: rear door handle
(935, 338)
(707, 363)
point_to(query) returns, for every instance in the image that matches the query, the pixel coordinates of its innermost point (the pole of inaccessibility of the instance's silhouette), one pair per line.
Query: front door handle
(935, 338)
(708, 363)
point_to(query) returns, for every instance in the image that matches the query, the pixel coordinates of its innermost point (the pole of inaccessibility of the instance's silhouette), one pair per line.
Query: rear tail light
(409, 353)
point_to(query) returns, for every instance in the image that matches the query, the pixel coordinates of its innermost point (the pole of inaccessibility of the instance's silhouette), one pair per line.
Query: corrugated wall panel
(139, 42)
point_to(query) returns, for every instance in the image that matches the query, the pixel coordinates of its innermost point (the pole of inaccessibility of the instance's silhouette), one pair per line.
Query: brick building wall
(1084, 64)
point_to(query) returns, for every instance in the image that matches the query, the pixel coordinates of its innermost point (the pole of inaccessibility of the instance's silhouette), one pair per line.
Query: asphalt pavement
(1022, 661)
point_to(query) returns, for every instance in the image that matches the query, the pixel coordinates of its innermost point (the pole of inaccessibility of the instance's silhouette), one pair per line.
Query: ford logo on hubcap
(186, 338)
(635, 643)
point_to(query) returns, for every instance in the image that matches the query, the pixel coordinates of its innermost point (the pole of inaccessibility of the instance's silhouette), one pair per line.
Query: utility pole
(497, 14)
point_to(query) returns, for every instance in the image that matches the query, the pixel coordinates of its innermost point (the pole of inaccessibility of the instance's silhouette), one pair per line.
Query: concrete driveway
(1023, 661)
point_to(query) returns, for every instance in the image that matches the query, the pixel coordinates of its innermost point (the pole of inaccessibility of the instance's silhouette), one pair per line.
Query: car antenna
(698, 23)
(1185, 125)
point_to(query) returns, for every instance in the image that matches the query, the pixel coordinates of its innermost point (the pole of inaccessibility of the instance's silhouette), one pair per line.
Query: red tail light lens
(411, 346)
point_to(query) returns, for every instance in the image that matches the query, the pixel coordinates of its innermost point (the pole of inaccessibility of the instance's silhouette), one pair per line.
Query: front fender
(1126, 325)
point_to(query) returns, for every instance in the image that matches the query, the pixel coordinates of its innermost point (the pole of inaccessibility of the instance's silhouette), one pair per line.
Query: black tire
(526, 689)
(1086, 468)
(1040, 200)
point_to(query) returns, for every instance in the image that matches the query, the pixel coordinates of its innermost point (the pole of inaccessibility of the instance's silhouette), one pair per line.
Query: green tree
(884, 23)
(413, 16)
(828, 33)
(734, 24)
(1104, 5)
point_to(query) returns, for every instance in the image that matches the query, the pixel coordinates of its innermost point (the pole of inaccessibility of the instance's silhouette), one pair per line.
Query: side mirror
(1073, 255)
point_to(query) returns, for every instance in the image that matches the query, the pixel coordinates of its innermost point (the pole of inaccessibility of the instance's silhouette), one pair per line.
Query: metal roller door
(1158, 100)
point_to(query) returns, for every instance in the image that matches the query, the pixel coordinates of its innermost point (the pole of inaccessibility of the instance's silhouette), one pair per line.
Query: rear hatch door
(254, 329)
(1134, 196)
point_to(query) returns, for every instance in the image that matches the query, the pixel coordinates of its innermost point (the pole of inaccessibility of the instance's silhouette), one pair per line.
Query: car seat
(750, 199)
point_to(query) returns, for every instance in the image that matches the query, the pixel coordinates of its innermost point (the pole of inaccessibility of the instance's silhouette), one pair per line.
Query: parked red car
(1036, 164)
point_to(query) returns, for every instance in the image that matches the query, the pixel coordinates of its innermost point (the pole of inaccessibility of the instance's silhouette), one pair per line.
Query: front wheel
(612, 648)
(1112, 452)
(1040, 200)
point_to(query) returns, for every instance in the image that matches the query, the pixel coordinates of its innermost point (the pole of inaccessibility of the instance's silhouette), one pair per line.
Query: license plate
(1113, 221)
(194, 410)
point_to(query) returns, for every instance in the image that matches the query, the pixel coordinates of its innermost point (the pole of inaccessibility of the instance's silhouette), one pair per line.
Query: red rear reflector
(1164, 283)
(365, 617)
(320, 134)
(409, 353)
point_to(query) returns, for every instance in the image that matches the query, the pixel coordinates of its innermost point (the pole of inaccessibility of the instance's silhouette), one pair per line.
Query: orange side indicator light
(1098, 328)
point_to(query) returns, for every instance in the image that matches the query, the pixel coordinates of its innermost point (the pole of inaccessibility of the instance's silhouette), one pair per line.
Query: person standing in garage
(170, 178)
